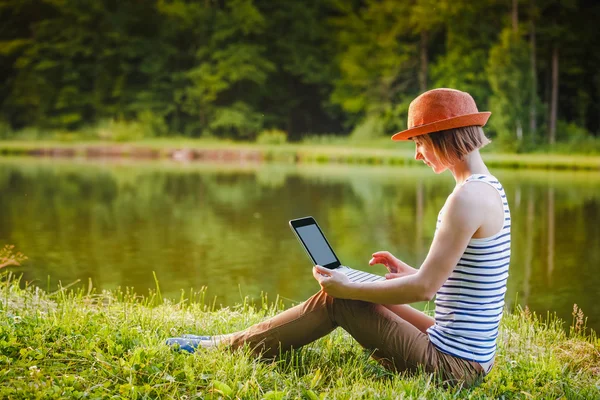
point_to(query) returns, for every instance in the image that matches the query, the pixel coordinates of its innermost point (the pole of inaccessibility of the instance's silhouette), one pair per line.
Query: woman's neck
(472, 164)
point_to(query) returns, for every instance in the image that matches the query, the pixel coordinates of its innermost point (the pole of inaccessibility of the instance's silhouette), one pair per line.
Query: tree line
(232, 68)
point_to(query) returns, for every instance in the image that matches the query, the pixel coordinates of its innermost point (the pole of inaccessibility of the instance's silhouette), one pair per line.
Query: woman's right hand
(395, 267)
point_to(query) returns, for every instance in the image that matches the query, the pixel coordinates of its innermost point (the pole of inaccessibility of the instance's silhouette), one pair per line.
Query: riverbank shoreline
(188, 151)
(81, 343)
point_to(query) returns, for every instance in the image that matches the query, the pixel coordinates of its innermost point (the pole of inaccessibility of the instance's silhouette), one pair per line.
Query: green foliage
(228, 62)
(395, 116)
(571, 132)
(236, 121)
(573, 139)
(471, 28)
(122, 131)
(326, 139)
(186, 67)
(508, 74)
(153, 123)
(369, 128)
(66, 136)
(272, 136)
(29, 133)
(6, 131)
(376, 58)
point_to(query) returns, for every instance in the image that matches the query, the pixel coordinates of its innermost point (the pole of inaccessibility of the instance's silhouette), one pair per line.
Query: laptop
(320, 252)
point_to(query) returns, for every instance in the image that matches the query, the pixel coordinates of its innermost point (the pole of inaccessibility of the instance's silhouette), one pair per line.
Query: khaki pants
(396, 344)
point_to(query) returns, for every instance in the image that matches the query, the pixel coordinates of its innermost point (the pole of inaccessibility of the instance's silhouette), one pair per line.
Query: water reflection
(550, 232)
(225, 226)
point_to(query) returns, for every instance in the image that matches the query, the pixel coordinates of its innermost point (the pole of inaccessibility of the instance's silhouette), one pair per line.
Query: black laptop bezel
(305, 221)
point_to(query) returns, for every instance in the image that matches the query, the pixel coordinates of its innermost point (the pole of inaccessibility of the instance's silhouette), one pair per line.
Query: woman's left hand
(333, 282)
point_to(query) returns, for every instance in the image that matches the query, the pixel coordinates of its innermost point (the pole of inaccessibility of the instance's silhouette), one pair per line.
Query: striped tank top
(468, 307)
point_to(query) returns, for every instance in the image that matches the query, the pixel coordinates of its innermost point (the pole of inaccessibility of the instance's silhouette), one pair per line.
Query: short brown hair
(452, 145)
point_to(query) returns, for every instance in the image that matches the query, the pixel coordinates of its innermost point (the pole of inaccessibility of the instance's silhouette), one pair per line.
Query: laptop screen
(316, 245)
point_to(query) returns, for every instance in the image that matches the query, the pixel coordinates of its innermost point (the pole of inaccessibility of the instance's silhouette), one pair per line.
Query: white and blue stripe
(469, 306)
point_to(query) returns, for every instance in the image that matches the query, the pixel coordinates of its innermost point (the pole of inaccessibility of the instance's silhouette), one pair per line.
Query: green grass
(377, 152)
(83, 344)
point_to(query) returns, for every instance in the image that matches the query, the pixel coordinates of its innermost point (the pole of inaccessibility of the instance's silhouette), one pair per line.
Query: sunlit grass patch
(338, 151)
(85, 344)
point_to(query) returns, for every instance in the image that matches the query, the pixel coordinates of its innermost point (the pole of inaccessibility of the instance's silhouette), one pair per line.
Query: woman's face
(425, 152)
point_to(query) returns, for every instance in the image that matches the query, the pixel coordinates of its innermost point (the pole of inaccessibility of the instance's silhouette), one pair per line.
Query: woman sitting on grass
(466, 268)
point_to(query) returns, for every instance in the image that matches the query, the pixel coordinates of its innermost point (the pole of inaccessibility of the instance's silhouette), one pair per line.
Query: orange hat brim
(479, 119)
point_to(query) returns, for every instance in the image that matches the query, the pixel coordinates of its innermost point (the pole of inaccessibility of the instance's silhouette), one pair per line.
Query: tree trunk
(554, 99)
(515, 15)
(515, 28)
(598, 93)
(533, 76)
(424, 62)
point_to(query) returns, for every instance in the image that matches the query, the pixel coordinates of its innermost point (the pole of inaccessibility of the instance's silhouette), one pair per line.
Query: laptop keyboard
(359, 276)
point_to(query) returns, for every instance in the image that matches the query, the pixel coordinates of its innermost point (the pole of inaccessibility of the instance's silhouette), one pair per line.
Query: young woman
(466, 268)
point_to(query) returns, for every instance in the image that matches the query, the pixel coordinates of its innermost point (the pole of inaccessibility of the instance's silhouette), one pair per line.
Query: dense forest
(233, 68)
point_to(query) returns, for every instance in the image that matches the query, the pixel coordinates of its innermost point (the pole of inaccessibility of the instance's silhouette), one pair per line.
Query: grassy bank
(83, 344)
(377, 153)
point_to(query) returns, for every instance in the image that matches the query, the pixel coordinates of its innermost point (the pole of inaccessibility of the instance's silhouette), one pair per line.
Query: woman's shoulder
(477, 195)
(466, 200)
(479, 190)
(483, 200)
(486, 178)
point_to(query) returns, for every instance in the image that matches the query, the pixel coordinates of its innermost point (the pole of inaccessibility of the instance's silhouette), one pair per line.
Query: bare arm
(462, 218)
(415, 317)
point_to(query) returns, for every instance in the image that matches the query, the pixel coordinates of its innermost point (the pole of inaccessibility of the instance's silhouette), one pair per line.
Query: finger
(321, 274)
(316, 274)
(381, 254)
(378, 260)
(323, 271)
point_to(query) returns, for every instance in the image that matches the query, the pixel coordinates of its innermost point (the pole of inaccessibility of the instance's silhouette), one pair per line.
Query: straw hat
(441, 109)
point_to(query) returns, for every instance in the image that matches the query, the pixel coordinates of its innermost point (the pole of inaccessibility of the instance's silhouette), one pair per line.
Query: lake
(225, 226)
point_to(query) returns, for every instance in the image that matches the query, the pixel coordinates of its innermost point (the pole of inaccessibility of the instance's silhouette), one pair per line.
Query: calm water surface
(225, 226)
